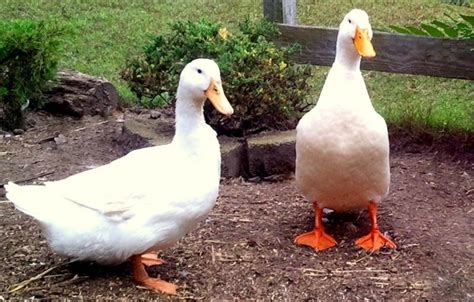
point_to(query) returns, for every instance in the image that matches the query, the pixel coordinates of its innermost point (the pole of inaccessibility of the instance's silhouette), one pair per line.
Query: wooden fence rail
(408, 54)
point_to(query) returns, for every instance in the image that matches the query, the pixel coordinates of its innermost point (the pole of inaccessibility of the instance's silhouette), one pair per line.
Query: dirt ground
(244, 249)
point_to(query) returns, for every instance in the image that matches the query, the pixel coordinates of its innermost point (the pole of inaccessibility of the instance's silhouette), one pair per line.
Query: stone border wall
(261, 155)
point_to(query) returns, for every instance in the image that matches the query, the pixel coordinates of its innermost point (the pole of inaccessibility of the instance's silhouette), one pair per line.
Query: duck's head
(201, 80)
(355, 33)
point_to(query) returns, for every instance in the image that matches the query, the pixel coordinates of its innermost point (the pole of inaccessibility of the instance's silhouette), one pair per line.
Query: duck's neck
(347, 57)
(189, 114)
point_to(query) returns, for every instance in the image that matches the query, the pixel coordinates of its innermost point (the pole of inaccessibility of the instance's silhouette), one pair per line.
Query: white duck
(145, 201)
(342, 147)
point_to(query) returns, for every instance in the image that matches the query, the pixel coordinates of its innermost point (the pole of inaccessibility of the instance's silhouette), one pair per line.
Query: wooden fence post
(289, 12)
(280, 11)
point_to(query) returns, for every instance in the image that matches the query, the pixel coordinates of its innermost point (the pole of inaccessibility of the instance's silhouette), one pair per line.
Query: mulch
(244, 249)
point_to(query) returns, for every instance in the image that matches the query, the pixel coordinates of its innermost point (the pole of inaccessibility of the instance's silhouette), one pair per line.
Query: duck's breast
(342, 156)
(194, 194)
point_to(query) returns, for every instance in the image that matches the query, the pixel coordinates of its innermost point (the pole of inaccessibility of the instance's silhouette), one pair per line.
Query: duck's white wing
(117, 189)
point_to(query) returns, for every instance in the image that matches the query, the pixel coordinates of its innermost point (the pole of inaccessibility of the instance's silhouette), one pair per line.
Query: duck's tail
(32, 200)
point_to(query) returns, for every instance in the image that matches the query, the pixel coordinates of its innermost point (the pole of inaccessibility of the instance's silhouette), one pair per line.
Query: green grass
(382, 12)
(107, 32)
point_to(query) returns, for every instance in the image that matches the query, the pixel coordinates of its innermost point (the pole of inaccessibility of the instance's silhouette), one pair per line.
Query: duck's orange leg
(317, 238)
(375, 239)
(141, 277)
(151, 259)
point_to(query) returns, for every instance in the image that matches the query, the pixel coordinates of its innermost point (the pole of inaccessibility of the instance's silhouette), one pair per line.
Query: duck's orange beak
(362, 43)
(216, 95)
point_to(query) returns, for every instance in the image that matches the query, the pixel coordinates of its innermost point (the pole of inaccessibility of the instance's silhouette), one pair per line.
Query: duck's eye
(350, 21)
(199, 71)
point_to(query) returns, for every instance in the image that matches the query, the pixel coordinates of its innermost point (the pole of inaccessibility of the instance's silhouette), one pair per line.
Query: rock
(78, 94)
(140, 133)
(271, 153)
(136, 109)
(60, 139)
(18, 131)
(155, 114)
(233, 162)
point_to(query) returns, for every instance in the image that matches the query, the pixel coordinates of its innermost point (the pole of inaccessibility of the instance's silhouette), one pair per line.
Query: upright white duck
(145, 201)
(342, 147)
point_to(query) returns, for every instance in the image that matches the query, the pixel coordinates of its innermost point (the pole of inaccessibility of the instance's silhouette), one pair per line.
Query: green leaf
(449, 30)
(449, 16)
(399, 29)
(468, 19)
(432, 31)
(462, 25)
(416, 31)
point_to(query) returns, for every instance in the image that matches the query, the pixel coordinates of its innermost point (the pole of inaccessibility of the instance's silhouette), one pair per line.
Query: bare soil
(244, 249)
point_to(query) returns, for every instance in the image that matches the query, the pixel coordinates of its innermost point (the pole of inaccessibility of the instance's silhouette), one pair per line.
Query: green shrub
(266, 89)
(29, 53)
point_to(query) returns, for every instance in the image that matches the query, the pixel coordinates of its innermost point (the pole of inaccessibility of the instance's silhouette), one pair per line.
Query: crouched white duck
(145, 201)
(342, 147)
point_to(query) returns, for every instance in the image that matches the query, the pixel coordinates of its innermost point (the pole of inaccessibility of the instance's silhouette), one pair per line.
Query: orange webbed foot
(141, 276)
(151, 259)
(317, 239)
(374, 241)
(159, 285)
